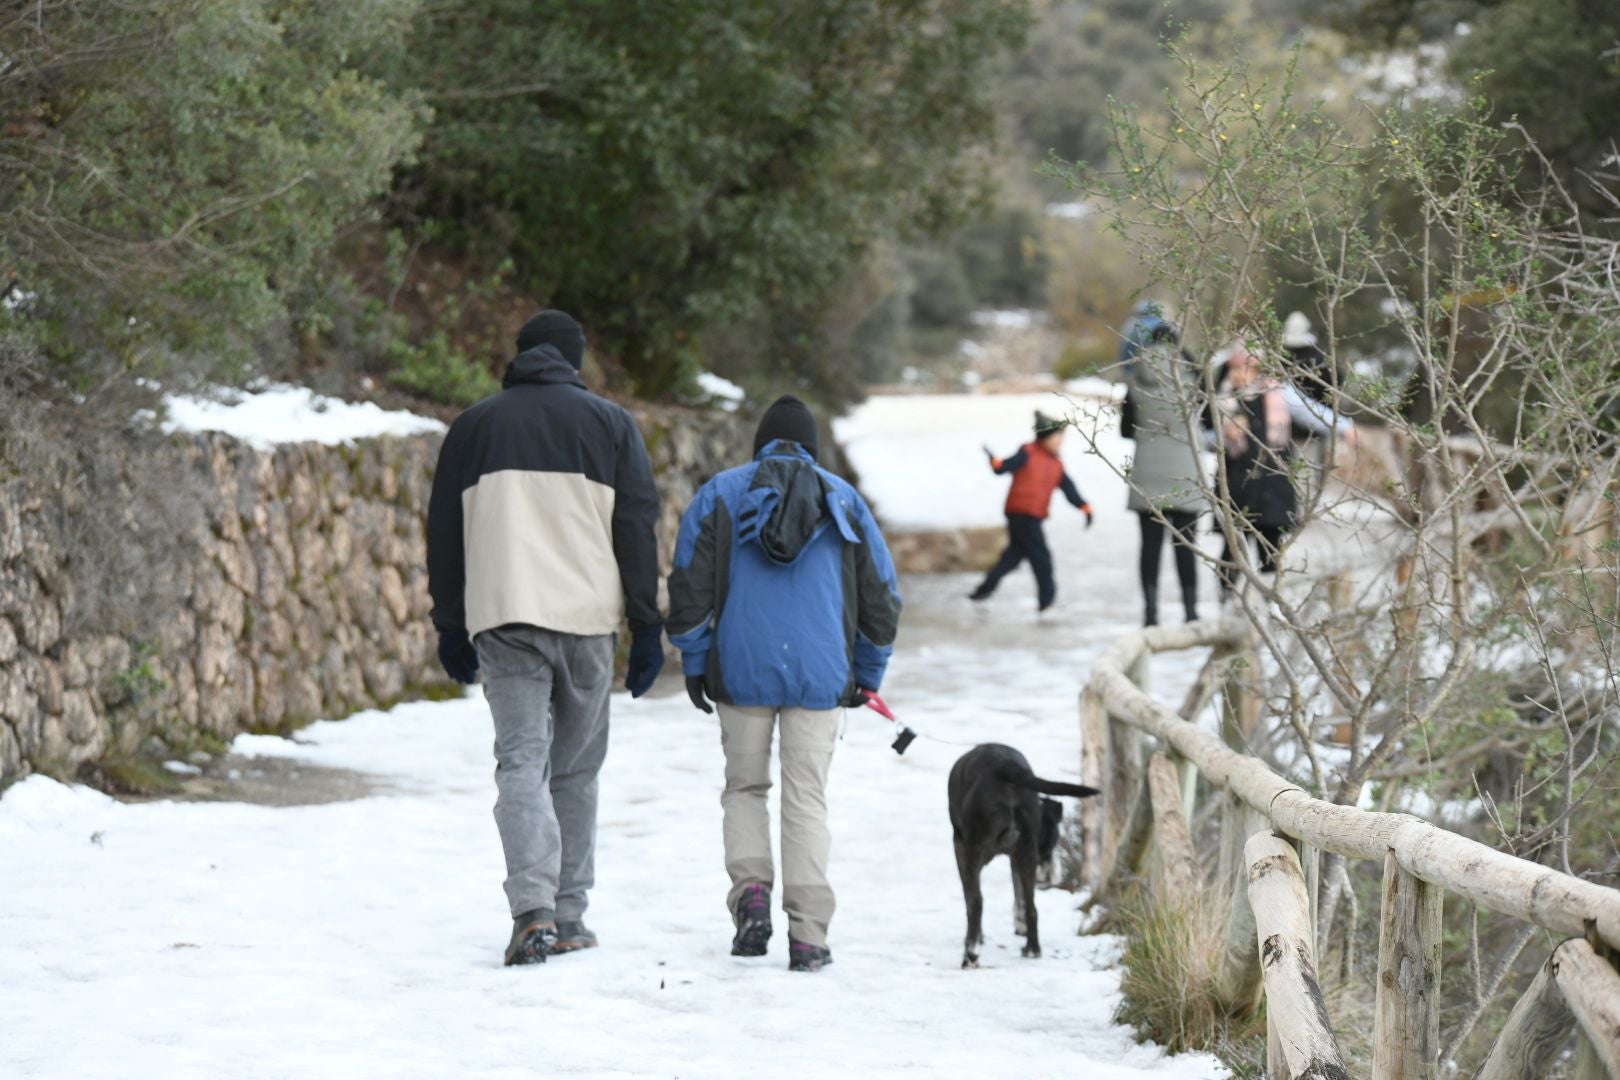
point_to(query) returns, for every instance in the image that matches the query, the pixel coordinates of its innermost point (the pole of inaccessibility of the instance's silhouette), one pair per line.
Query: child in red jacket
(1037, 472)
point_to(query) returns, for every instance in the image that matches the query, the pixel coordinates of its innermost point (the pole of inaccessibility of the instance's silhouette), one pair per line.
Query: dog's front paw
(1032, 952)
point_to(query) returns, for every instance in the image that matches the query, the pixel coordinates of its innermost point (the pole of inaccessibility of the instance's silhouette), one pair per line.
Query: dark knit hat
(556, 328)
(791, 419)
(1045, 425)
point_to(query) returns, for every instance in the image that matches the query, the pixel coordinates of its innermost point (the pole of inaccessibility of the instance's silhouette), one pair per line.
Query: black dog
(996, 809)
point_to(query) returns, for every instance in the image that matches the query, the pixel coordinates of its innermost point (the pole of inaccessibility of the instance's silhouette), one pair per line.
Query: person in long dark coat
(1254, 417)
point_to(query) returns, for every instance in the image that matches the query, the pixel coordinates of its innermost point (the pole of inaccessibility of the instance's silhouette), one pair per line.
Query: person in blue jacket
(784, 604)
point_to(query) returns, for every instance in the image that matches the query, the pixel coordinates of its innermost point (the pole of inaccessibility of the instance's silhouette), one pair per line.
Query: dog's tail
(1053, 787)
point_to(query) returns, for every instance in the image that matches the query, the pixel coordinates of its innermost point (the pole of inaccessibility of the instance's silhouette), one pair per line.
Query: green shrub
(1172, 955)
(436, 370)
(1088, 356)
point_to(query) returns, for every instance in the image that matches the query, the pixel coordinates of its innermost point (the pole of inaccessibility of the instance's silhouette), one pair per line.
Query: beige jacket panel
(539, 551)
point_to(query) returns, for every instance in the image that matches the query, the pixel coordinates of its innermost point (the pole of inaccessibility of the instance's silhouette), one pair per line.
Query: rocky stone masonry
(305, 596)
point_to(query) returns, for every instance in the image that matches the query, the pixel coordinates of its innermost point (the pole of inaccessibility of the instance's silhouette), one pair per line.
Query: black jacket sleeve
(635, 520)
(1002, 466)
(1127, 416)
(446, 559)
(1071, 492)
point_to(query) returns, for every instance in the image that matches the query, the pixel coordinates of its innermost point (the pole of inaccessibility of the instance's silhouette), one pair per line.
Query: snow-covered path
(363, 938)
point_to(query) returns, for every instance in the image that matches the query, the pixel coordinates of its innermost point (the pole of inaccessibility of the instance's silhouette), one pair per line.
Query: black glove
(646, 659)
(1085, 508)
(857, 699)
(694, 690)
(457, 655)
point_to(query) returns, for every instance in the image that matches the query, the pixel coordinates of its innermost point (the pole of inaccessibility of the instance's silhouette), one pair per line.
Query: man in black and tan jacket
(540, 540)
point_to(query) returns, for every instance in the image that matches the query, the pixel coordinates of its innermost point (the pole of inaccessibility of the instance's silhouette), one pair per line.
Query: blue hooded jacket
(783, 594)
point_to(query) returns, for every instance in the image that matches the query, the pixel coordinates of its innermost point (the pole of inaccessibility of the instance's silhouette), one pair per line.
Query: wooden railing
(1147, 759)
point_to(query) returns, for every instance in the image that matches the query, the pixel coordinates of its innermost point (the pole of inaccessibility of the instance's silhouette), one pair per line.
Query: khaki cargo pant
(808, 736)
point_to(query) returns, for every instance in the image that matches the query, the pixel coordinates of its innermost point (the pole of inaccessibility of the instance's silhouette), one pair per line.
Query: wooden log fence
(1148, 760)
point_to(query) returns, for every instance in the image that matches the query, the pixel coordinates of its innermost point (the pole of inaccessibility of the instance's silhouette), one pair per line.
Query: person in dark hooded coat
(784, 604)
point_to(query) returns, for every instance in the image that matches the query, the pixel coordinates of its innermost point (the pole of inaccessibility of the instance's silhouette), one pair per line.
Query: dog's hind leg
(968, 866)
(1020, 923)
(1024, 898)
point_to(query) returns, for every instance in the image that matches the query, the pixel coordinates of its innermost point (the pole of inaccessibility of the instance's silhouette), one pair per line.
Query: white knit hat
(1297, 331)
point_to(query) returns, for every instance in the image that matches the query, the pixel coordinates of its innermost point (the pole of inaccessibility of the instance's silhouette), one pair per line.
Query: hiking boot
(572, 936)
(805, 957)
(534, 936)
(753, 922)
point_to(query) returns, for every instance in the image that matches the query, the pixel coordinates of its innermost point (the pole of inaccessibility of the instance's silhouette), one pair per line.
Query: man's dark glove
(646, 659)
(457, 655)
(694, 690)
(857, 698)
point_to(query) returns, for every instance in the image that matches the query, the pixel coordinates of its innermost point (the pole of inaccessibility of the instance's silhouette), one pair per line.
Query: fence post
(1237, 982)
(1240, 707)
(1591, 986)
(1128, 817)
(1094, 772)
(1406, 1012)
(1187, 779)
(1300, 1042)
(1178, 865)
(1535, 1031)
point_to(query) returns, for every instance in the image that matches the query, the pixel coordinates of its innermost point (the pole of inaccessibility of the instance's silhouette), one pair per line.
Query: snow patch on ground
(725, 392)
(281, 414)
(1009, 318)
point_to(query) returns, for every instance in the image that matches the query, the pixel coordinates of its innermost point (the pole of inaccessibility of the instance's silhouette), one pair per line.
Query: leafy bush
(174, 170)
(663, 170)
(438, 371)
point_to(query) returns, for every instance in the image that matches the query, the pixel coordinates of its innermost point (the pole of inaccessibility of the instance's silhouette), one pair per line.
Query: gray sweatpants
(548, 693)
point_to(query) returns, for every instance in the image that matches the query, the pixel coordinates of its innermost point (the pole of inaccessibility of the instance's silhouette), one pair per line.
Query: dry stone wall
(297, 589)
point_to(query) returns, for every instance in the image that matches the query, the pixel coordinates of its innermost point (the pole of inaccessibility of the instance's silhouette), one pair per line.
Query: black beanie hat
(791, 419)
(556, 328)
(1045, 425)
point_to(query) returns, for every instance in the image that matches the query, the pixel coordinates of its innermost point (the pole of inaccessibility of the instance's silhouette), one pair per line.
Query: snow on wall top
(281, 414)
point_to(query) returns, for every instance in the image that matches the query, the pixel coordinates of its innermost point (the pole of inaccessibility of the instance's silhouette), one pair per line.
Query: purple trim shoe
(753, 922)
(803, 956)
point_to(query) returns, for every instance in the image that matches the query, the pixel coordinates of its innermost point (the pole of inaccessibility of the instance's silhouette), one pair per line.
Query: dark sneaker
(805, 957)
(979, 595)
(534, 937)
(572, 936)
(753, 922)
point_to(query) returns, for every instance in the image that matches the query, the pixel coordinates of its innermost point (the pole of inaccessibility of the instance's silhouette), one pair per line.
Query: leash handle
(881, 707)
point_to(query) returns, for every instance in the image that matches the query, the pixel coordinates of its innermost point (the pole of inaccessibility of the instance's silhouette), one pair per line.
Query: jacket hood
(544, 365)
(788, 504)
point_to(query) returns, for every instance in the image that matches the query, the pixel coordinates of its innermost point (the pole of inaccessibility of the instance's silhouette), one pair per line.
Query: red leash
(879, 706)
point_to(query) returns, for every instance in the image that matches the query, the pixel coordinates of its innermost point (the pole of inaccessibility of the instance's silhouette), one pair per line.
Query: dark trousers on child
(1026, 539)
(1183, 543)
